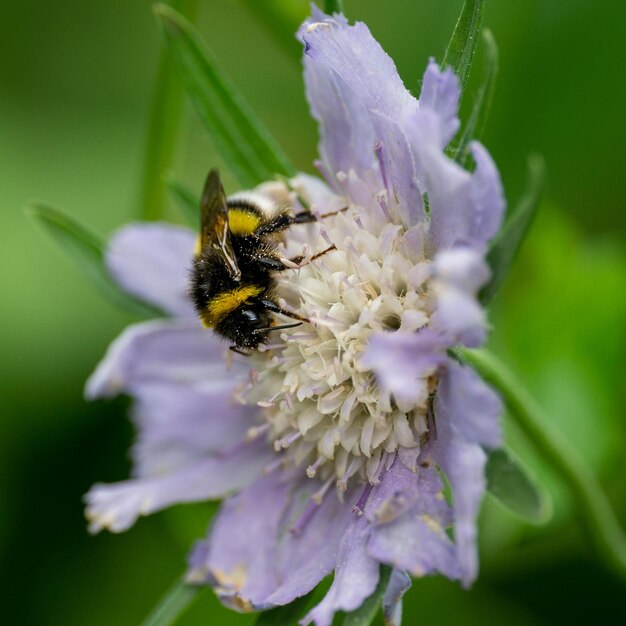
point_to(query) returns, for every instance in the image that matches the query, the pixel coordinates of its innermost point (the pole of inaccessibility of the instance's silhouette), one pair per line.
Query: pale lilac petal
(177, 423)
(465, 208)
(309, 554)
(395, 494)
(487, 196)
(272, 543)
(356, 576)
(399, 584)
(117, 506)
(463, 464)
(467, 413)
(458, 274)
(416, 541)
(403, 361)
(358, 98)
(171, 351)
(440, 93)
(151, 261)
(472, 406)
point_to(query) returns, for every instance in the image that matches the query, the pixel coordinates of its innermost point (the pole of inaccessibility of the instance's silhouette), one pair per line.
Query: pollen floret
(322, 402)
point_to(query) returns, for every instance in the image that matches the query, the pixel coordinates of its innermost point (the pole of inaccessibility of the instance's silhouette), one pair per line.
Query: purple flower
(331, 444)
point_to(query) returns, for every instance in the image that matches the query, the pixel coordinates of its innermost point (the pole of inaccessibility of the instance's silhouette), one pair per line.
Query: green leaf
(506, 244)
(163, 126)
(188, 202)
(244, 143)
(333, 6)
(594, 507)
(482, 102)
(460, 51)
(366, 613)
(287, 615)
(509, 483)
(86, 249)
(172, 606)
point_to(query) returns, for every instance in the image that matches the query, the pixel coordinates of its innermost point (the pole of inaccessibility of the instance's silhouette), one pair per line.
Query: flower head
(332, 442)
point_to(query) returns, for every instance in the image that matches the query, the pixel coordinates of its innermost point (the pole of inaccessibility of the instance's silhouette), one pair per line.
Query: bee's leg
(274, 308)
(280, 327)
(325, 215)
(297, 262)
(238, 350)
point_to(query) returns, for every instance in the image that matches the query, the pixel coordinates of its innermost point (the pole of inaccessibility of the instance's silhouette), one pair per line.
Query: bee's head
(249, 323)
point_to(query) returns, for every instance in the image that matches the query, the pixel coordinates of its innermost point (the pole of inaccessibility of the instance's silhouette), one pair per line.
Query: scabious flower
(334, 442)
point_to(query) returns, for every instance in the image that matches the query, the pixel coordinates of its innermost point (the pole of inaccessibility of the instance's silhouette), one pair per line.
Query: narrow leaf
(188, 202)
(287, 615)
(366, 613)
(172, 606)
(509, 483)
(507, 242)
(87, 250)
(482, 102)
(460, 51)
(245, 144)
(163, 126)
(333, 6)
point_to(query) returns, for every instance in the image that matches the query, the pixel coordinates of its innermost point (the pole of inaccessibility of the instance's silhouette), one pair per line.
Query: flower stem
(597, 513)
(163, 126)
(173, 604)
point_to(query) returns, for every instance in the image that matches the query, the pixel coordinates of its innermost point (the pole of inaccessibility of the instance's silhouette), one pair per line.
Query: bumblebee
(233, 284)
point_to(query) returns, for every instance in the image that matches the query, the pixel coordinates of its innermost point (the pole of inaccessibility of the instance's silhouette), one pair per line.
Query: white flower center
(323, 408)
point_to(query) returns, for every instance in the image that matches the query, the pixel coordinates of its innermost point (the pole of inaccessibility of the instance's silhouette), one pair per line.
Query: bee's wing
(214, 230)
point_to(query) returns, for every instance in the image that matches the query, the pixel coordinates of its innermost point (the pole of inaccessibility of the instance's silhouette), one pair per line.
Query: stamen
(359, 507)
(318, 496)
(378, 150)
(382, 203)
(330, 181)
(305, 518)
(274, 465)
(312, 469)
(288, 401)
(285, 442)
(256, 431)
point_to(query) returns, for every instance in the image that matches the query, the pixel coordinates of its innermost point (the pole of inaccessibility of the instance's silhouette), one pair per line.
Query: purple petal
(171, 351)
(117, 506)
(472, 406)
(440, 94)
(487, 196)
(458, 273)
(272, 543)
(399, 584)
(403, 361)
(151, 261)
(177, 424)
(417, 541)
(465, 208)
(463, 463)
(356, 576)
(358, 98)
(394, 495)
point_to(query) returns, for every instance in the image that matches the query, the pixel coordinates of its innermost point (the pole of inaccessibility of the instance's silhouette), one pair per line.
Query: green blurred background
(76, 80)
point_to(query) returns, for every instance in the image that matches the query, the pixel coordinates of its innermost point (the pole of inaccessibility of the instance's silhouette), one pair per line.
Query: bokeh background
(76, 80)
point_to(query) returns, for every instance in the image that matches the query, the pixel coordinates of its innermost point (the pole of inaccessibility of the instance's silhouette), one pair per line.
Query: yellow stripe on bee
(242, 222)
(228, 301)
(197, 248)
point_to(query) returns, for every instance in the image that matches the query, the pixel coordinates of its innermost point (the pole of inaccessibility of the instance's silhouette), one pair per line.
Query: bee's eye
(253, 318)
